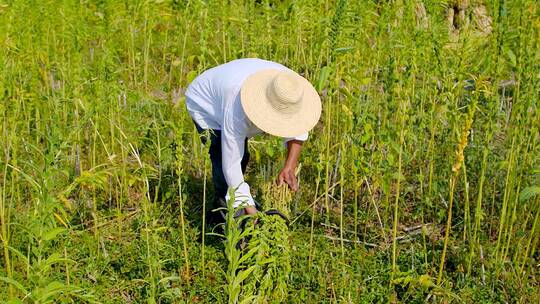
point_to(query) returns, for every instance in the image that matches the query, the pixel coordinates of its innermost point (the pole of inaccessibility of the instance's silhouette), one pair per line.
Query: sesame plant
(270, 241)
(240, 266)
(258, 251)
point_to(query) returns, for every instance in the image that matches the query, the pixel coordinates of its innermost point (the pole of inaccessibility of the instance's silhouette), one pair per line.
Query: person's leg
(220, 184)
(218, 179)
(245, 157)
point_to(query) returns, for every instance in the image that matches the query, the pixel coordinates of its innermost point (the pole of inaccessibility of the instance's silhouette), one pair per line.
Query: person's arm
(232, 150)
(287, 176)
(233, 134)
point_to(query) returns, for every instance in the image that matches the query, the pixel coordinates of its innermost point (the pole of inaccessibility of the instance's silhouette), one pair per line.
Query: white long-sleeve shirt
(213, 101)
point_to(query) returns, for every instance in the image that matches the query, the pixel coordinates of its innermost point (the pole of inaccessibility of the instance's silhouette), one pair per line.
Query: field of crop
(421, 182)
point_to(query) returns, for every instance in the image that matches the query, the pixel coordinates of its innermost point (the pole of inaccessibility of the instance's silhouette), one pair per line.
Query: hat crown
(285, 92)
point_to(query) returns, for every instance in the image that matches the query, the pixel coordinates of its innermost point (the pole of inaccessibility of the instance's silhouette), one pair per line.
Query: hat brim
(260, 111)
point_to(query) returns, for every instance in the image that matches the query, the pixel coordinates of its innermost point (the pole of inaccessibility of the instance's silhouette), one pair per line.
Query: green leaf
(14, 283)
(268, 261)
(344, 49)
(169, 279)
(20, 255)
(51, 234)
(243, 275)
(248, 300)
(426, 281)
(512, 57)
(191, 75)
(248, 255)
(52, 289)
(54, 258)
(529, 192)
(323, 76)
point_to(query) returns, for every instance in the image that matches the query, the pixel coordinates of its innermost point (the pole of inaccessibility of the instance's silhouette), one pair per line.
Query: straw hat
(281, 103)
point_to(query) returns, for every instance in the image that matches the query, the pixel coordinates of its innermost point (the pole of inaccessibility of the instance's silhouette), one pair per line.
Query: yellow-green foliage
(270, 279)
(102, 171)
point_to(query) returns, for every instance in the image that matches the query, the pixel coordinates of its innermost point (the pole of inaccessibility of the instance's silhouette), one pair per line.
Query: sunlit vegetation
(421, 181)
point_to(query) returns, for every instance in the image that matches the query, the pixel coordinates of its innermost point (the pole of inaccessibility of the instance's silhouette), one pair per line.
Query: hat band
(281, 106)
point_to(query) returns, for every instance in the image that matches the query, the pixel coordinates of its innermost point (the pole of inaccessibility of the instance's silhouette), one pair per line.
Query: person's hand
(286, 176)
(251, 210)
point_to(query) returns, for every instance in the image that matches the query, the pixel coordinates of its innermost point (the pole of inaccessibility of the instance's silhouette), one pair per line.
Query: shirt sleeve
(302, 137)
(233, 134)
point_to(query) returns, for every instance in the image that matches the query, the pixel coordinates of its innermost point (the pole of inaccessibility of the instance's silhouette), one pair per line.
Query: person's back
(213, 92)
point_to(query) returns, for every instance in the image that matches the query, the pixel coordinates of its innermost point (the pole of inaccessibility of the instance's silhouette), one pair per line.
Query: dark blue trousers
(218, 179)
